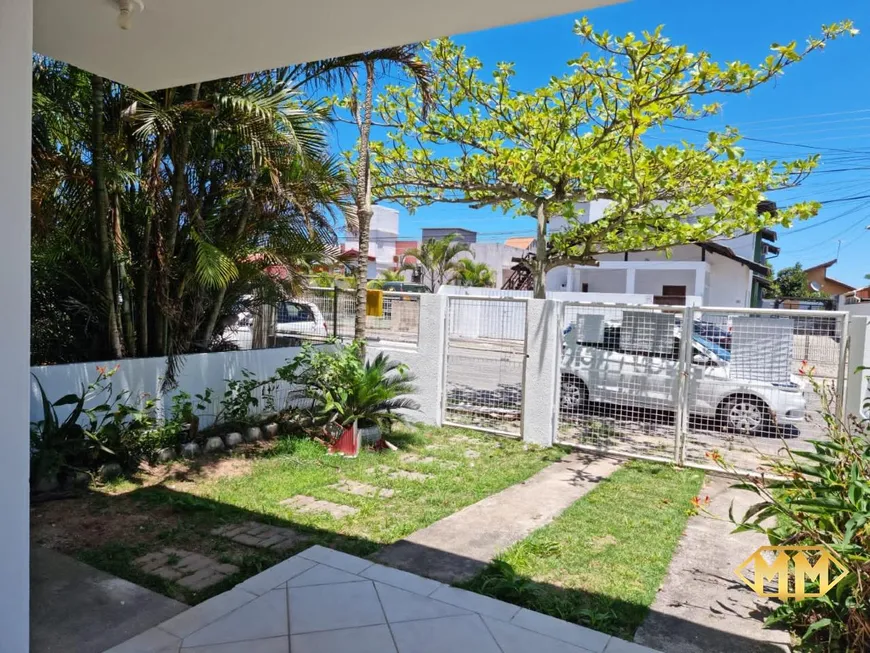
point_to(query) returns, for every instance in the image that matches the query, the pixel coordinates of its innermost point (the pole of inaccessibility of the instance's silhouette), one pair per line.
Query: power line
(770, 142)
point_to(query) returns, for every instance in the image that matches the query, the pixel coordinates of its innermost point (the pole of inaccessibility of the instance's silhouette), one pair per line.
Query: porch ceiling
(183, 41)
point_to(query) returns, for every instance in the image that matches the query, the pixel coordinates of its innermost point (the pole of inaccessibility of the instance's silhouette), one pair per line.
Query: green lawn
(601, 562)
(112, 528)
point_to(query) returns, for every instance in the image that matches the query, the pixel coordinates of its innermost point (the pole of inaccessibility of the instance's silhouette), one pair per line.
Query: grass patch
(602, 561)
(111, 528)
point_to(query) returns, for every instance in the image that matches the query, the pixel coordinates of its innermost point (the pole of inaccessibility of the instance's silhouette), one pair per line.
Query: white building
(497, 256)
(384, 232)
(171, 43)
(724, 272)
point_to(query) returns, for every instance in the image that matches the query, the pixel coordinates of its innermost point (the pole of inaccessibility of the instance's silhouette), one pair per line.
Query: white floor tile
(259, 619)
(476, 603)
(400, 605)
(206, 612)
(277, 575)
(336, 559)
(401, 579)
(370, 639)
(273, 645)
(151, 641)
(616, 645)
(591, 640)
(323, 575)
(448, 635)
(330, 607)
(513, 639)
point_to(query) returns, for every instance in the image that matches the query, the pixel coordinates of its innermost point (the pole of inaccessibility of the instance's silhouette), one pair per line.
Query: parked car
(296, 318)
(401, 286)
(604, 372)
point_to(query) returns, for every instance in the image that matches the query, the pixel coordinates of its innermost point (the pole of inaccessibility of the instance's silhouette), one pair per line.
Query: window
(674, 291)
(610, 341)
(584, 287)
(291, 312)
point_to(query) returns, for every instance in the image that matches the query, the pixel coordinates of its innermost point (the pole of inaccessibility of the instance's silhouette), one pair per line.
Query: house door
(671, 296)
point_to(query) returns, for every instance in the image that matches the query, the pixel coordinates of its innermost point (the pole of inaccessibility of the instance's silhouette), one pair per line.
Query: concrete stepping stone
(414, 458)
(261, 536)
(471, 453)
(303, 503)
(191, 570)
(362, 489)
(399, 473)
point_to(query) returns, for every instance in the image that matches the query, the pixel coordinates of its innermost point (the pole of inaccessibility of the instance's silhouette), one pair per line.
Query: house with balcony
(727, 272)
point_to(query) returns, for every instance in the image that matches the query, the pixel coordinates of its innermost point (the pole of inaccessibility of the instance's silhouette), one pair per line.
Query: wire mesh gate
(484, 364)
(686, 384)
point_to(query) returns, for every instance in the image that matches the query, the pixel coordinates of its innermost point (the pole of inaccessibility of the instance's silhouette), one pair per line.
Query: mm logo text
(793, 567)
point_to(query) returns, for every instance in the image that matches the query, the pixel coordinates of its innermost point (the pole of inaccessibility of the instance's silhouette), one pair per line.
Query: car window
(291, 312)
(609, 342)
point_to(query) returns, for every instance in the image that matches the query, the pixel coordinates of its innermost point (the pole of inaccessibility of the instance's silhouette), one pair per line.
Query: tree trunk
(147, 250)
(101, 212)
(179, 158)
(363, 199)
(540, 265)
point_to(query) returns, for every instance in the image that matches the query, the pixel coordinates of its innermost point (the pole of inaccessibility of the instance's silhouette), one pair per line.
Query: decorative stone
(414, 458)
(191, 570)
(401, 474)
(233, 439)
(270, 430)
(190, 450)
(471, 453)
(362, 489)
(302, 503)
(262, 536)
(253, 433)
(110, 471)
(165, 455)
(81, 479)
(213, 444)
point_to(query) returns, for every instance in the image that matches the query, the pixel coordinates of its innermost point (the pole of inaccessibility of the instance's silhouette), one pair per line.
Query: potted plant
(354, 400)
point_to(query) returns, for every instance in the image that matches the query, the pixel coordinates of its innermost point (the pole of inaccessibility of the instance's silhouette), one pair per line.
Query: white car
(296, 320)
(603, 372)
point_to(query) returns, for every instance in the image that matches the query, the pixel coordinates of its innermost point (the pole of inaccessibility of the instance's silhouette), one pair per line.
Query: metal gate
(484, 364)
(691, 384)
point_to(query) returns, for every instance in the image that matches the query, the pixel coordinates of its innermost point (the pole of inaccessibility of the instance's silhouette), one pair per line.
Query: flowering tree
(582, 137)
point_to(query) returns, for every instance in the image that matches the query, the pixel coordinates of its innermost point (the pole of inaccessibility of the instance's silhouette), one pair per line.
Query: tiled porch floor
(323, 601)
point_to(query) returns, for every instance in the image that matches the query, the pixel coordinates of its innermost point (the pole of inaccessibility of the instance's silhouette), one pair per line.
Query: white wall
(498, 256)
(144, 375)
(729, 283)
(651, 282)
(16, 47)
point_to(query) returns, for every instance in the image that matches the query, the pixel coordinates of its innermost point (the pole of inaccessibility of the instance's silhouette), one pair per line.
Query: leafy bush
(183, 421)
(104, 426)
(824, 500)
(241, 399)
(336, 386)
(114, 430)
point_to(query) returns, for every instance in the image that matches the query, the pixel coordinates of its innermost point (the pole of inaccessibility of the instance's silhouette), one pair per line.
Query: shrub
(241, 399)
(823, 499)
(336, 386)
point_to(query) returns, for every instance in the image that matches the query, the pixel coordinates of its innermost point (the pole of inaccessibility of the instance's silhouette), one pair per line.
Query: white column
(540, 387)
(629, 281)
(859, 356)
(430, 350)
(700, 283)
(569, 282)
(16, 46)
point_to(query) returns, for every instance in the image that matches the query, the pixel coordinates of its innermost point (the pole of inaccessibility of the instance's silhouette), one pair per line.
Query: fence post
(429, 368)
(685, 369)
(335, 310)
(541, 374)
(859, 356)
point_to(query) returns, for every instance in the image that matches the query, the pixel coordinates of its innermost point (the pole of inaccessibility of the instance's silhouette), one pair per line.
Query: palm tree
(386, 277)
(344, 72)
(475, 274)
(436, 259)
(155, 213)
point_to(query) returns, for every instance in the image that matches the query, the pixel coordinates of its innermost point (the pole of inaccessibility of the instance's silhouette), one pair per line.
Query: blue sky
(823, 102)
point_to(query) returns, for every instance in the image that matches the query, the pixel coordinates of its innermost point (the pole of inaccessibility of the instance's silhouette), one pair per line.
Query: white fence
(526, 360)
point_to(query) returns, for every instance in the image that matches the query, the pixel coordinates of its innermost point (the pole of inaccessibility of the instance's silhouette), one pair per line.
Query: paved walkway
(323, 601)
(74, 607)
(457, 547)
(702, 607)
